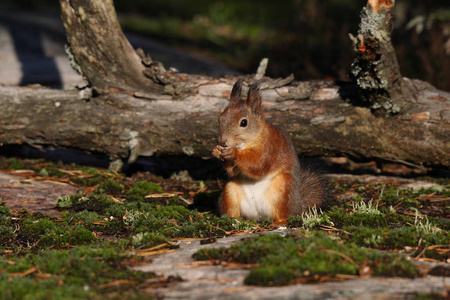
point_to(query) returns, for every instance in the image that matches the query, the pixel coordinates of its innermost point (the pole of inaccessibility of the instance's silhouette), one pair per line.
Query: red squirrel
(265, 175)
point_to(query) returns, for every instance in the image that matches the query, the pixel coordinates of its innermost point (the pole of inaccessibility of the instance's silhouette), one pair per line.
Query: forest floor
(83, 232)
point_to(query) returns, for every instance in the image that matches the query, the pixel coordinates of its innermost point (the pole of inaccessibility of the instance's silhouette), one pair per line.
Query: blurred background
(306, 37)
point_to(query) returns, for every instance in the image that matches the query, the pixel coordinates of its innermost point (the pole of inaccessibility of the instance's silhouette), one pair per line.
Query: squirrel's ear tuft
(236, 91)
(254, 99)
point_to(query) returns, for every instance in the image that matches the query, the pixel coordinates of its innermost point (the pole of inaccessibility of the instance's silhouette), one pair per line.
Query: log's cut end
(376, 5)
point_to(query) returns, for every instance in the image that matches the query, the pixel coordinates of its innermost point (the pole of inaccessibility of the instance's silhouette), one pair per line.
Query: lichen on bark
(375, 68)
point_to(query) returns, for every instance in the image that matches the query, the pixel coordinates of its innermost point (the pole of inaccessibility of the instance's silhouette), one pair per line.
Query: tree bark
(375, 68)
(143, 110)
(317, 115)
(99, 49)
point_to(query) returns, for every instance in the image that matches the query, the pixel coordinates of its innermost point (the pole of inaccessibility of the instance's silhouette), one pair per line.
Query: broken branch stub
(375, 68)
(99, 47)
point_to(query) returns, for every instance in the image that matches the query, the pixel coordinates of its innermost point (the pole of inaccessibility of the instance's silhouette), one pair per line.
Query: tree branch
(375, 67)
(103, 53)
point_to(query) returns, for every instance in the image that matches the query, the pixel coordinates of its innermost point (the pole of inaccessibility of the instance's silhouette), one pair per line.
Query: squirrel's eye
(243, 123)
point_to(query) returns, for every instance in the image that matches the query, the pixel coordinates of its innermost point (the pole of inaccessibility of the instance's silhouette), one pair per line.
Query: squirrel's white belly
(256, 205)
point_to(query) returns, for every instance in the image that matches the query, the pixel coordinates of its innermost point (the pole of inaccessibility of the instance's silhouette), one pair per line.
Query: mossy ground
(85, 252)
(282, 260)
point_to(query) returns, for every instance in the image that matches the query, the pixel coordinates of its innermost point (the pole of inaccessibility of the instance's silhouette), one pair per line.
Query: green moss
(86, 181)
(433, 254)
(135, 218)
(408, 202)
(283, 259)
(90, 220)
(43, 172)
(148, 240)
(15, 164)
(393, 196)
(427, 296)
(442, 224)
(64, 201)
(365, 236)
(94, 202)
(115, 210)
(140, 189)
(71, 274)
(5, 220)
(42, 233)
(178, 221)
(78, 202)
(368, 217)
(53, 171)
(112, 187)
(68, 200)
(67, 236)
(409, 236)
(7, 234)
(91, 176)
(176, 212)
(270, 276)
(395, 238)
(162, 219)
(176, 201)
(83, 217)
(4, 209)
(38, 227)
(392, 265)
(209, 253)
(30, 288)
(341, 219)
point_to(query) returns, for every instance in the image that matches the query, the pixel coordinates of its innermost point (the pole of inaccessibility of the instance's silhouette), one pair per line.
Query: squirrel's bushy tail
(314, 188)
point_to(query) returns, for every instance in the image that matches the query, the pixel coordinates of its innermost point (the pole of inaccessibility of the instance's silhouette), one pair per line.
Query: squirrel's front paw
(217, 152)
(228, 153)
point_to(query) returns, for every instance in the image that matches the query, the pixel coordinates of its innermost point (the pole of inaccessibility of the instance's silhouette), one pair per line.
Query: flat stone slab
(34, 195)
(201, 280)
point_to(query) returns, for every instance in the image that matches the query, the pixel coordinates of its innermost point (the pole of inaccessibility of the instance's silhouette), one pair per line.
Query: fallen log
(318, 115)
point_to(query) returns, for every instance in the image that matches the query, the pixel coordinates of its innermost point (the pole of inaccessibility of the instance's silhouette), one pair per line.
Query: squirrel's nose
(222, 140)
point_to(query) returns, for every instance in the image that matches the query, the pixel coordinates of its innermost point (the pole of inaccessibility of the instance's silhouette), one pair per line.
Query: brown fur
(262, 163)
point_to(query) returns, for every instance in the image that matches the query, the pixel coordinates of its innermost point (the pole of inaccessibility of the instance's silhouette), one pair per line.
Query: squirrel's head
(241, 123)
